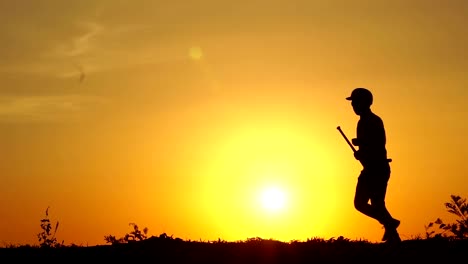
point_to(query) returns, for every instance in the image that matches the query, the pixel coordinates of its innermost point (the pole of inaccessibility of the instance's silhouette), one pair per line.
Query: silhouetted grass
(165, 249)
(46, 237)
(135, 235)
(450, 245)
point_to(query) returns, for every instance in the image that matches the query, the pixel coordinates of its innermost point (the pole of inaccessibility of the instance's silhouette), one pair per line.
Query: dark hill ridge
(256, 250)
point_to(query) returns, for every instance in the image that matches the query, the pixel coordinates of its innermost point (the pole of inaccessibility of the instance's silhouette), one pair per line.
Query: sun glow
(273, 199)
(265, 179)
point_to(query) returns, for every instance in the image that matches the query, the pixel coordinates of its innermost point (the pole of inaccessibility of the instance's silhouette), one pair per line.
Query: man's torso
(372, 139)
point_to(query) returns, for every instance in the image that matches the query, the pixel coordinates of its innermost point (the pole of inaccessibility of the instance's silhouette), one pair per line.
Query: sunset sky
(217, 119)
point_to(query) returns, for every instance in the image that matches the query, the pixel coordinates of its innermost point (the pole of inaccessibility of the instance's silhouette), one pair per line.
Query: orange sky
(189, 110)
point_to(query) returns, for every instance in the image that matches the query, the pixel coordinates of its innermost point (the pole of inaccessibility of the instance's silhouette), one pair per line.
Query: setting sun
(273, 199)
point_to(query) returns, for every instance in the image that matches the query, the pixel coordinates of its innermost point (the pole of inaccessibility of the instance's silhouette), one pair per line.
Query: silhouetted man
(372, 153)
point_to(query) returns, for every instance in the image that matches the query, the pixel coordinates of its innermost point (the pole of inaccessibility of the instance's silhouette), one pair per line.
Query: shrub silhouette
(46, 238)
(459, 207)
(133, 236)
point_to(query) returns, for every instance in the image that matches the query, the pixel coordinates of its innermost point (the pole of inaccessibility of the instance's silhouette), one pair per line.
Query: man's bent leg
(377, 199)
(361, 198)
(383, 216)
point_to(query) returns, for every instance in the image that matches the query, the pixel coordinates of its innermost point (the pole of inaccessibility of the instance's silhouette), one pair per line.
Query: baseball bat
(346, 138)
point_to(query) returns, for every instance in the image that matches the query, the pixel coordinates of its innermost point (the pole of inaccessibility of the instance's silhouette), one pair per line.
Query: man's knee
(378, 204)
(359, 204)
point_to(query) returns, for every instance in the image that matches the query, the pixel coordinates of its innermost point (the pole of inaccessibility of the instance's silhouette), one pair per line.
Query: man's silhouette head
(361, 100)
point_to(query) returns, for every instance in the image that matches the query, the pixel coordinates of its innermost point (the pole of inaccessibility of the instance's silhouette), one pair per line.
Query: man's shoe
(392, 225)
(385, 235)
(393, 237)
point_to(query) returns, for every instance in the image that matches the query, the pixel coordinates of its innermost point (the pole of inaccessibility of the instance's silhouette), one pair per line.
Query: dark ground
(168, 250)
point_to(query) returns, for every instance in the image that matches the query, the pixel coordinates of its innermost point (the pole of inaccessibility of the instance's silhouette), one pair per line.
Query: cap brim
(349, 98)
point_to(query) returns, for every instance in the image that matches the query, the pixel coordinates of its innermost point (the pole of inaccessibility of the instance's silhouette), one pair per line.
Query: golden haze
(178, 117)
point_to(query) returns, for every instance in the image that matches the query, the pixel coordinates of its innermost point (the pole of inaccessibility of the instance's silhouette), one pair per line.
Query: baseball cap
(361, 94)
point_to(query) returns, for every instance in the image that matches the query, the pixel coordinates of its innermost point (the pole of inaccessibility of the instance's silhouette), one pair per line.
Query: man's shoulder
(376, 117)
(371, 119)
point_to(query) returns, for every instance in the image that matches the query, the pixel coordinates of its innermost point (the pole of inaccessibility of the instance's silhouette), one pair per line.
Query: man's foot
(385, 235)
(390, 228)
(392, 237)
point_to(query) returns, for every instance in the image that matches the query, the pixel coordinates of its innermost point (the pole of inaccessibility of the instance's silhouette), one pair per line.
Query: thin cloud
(57, 58)
(82, 43)
(97, 47)
(44, 108)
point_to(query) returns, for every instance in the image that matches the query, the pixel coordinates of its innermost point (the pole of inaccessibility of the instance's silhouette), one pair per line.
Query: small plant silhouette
(113, 240)
(459, 207)
(136, 234)
(46, 238)
(133, 236)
